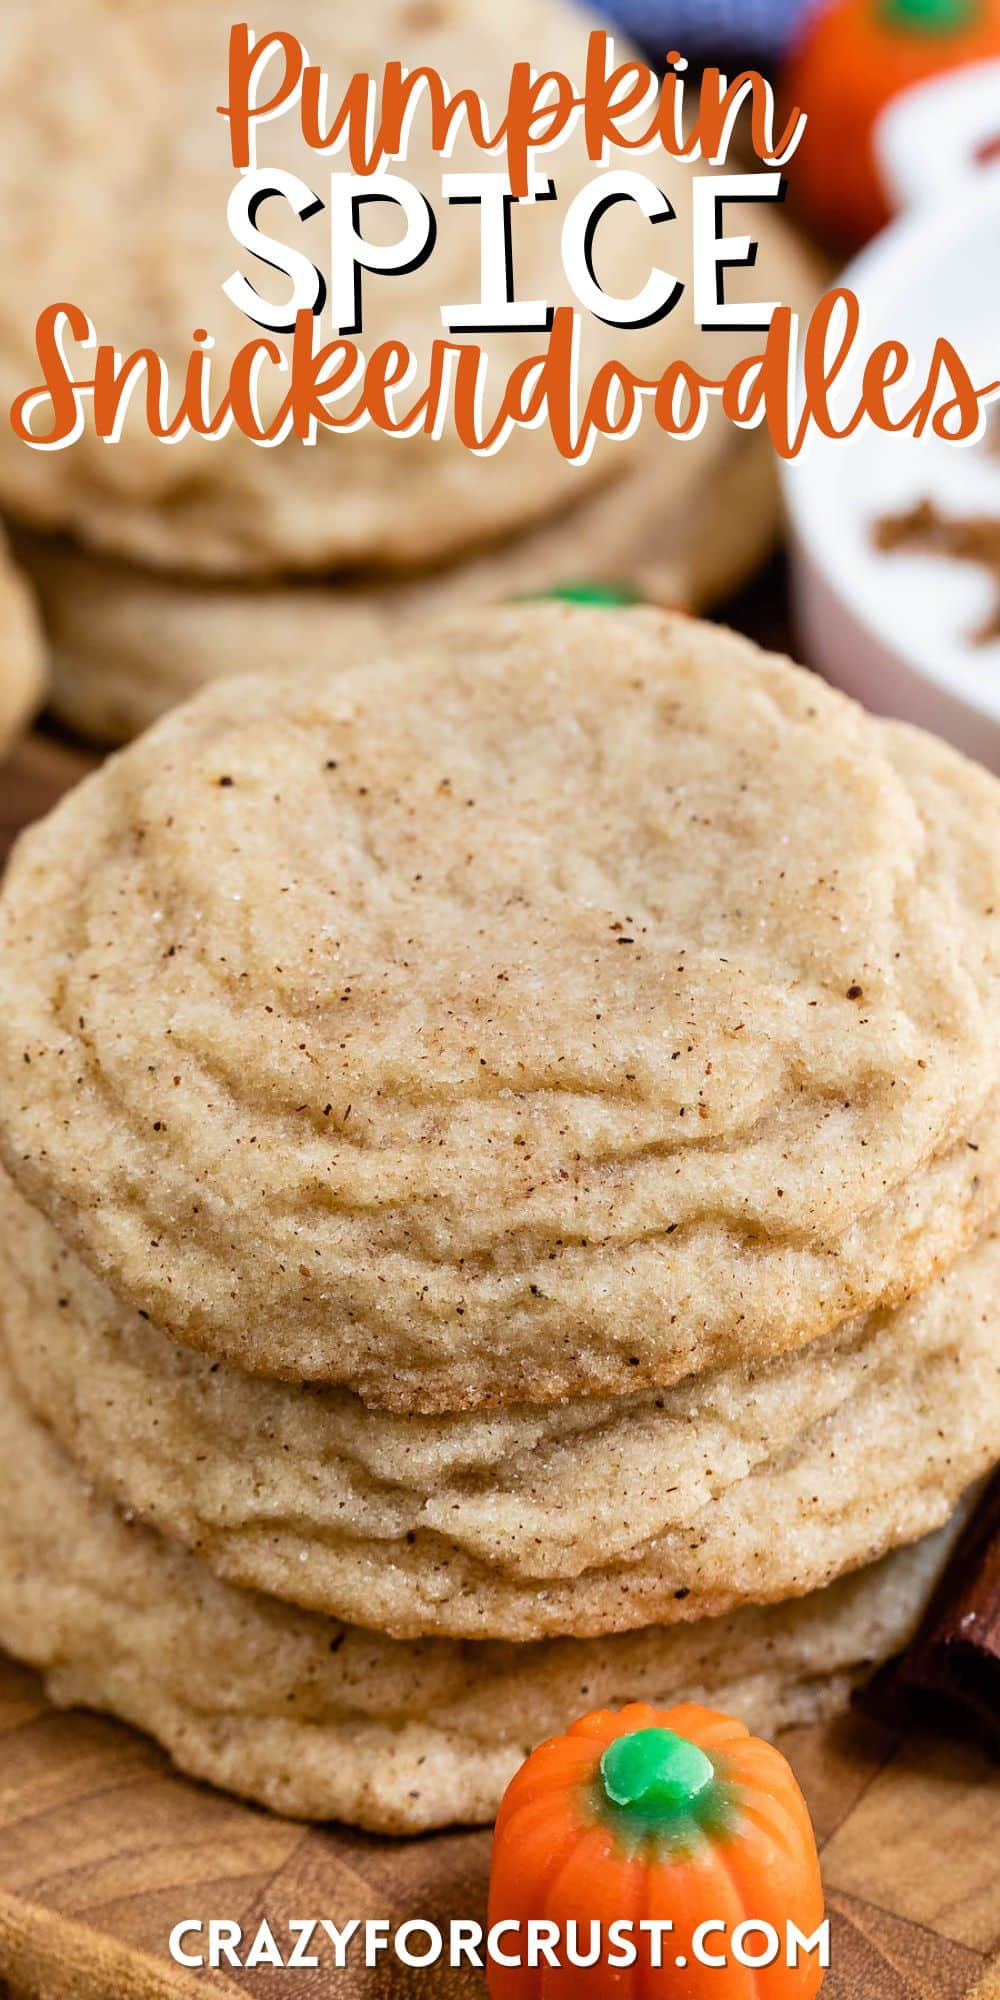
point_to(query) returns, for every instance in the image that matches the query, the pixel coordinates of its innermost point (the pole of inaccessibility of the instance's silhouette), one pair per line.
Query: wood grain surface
(103, 1849)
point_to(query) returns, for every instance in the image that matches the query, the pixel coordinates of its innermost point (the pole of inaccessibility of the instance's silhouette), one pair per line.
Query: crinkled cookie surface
(548, 1008)
(753, 1484)
(326, 1721)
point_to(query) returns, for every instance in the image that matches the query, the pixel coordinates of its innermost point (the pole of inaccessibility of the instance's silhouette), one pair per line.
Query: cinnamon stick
(949, 1677)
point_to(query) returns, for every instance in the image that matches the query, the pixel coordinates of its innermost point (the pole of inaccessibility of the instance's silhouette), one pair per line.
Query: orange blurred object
(850, 58)
(676, 1815)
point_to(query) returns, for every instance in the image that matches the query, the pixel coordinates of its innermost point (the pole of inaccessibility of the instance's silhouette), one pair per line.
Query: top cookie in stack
(594, 976)
(502, 1145)
(114, 197)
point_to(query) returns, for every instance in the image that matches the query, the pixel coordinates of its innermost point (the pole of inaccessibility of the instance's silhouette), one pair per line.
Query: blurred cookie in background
(683, 524)
(688, 524)
(174, 567)
(124, 212)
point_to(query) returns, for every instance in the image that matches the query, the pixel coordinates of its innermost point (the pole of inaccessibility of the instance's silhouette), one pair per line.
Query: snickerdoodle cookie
(329, 1721)
(568, 1002)
(113, 195)
(682, 527)
(750, 1485)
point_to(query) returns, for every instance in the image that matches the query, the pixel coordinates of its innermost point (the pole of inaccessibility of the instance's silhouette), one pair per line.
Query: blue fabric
(707, 27)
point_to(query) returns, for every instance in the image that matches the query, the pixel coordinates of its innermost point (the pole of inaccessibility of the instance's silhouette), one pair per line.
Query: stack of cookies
(159, 569)
(500, 1151)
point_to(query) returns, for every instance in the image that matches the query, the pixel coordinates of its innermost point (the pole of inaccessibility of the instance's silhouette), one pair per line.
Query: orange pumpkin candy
(851, 57)
(675, 1814)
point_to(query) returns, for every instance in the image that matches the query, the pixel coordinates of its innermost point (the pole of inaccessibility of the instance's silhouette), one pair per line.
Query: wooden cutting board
(103, 1849)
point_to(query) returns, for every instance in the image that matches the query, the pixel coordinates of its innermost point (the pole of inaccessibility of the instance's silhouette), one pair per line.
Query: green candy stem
(606, 595)
(933, 16)
(655, 1775)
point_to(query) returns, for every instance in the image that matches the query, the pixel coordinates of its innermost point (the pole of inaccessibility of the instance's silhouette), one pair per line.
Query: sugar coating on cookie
(543, 1009)
(322, 1720)
(753, 1484)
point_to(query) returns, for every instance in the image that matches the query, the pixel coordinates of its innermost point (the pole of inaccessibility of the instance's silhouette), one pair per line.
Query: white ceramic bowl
(939, 132)
(897, 630)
